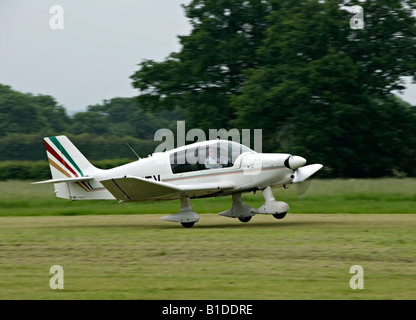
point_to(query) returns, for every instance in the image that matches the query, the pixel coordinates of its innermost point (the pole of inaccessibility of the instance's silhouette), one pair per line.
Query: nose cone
(294, 162)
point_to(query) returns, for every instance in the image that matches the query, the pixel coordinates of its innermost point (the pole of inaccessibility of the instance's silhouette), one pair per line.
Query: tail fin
(65, 160)
(72, 173)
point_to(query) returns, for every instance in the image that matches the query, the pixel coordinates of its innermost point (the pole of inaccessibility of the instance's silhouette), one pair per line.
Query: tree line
(101, 132)
(25, 113)
(295, 69)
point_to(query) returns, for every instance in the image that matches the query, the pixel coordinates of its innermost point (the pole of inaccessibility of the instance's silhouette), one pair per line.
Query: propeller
(302, 188)
(303, 173)
(285, 139)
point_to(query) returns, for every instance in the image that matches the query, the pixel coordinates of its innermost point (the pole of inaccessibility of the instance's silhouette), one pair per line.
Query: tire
(187, 224)
(279, 215)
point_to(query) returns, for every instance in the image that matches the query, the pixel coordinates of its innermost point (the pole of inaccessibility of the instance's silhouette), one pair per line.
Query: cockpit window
(216, 155)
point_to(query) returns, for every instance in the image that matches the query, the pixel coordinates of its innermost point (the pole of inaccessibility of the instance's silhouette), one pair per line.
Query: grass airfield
(139, 256)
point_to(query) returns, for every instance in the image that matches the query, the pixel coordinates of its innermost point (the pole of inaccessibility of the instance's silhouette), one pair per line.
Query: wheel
(279, 215)
(245, 219)
(187, 224)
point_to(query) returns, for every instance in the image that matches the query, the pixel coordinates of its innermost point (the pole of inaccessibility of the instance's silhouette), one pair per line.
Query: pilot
(225, 161)
(211, 160)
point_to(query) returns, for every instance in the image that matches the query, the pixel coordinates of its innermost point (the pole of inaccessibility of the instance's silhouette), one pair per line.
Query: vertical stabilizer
(69, 165)
(65, 160)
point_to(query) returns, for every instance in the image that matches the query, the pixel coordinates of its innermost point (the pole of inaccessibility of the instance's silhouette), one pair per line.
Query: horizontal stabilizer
(139, 189)
(304, 173)
(86, 178)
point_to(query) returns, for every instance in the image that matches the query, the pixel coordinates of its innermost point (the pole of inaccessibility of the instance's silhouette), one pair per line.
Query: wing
(139, 189)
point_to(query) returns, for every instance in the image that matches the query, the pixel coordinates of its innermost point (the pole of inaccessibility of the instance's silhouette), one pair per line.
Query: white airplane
(204, 169)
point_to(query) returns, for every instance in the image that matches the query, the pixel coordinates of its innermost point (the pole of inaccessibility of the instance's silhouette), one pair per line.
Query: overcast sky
(93, 56)
(98, 49)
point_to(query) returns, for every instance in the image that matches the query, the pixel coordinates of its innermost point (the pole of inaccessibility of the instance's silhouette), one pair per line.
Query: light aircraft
(203, 169)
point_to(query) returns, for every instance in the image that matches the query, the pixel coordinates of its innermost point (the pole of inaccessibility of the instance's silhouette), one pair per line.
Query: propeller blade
(303, 188)
(304, 173)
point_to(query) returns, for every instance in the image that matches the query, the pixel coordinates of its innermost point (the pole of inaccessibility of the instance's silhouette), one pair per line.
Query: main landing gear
(187, 217)
(187, 224)
(239, 210)
(245, 219)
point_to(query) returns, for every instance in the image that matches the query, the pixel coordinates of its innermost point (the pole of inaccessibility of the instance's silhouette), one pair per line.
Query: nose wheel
(279, 216)
(276, 208)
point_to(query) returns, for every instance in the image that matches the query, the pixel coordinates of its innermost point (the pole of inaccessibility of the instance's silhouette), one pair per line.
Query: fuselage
(194, 164)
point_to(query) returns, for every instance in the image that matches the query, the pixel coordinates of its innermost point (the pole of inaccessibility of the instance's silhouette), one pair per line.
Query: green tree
(123, 117)
(54, 115)
(90, 122)
(334, 85)
(209, 68)
(26, 113)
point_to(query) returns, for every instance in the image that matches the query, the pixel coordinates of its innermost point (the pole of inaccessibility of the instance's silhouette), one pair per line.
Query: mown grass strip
(20, 198)
(141, 257)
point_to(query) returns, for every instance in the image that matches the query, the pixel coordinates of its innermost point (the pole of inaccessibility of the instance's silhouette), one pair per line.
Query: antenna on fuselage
(133, 150)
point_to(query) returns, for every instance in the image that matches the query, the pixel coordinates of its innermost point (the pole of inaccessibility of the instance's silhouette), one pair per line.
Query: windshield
(215, 155)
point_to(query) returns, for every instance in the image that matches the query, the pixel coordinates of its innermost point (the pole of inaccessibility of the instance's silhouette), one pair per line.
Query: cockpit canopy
(210, 155)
